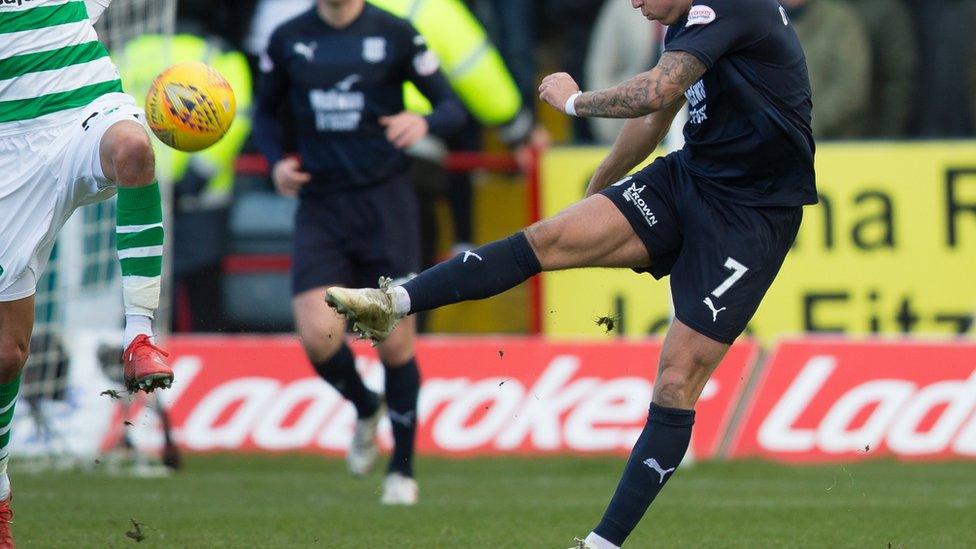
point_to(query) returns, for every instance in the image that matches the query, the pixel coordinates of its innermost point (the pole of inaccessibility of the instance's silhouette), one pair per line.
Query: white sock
(600, 542)
(136, 325)
(4, 486)
(401, 300)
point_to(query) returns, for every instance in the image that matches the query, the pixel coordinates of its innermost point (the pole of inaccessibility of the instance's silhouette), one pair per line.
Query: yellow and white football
(190, 106)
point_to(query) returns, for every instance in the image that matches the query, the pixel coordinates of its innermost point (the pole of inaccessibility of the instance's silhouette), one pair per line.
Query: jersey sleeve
(272, 91)
(718, 28)
(424, 70)
(95, 8)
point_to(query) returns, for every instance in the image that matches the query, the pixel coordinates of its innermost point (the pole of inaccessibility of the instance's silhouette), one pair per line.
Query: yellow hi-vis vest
(145, 57)
(473, 66)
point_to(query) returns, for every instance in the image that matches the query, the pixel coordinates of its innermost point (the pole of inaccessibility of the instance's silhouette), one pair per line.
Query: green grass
(300, 501)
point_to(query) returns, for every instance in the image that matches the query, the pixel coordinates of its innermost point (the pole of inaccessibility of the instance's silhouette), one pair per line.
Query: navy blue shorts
(722, 256)
(353, 237)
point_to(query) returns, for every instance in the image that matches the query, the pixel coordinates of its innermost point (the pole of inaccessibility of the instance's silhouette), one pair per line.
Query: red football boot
(145, 366)
(6, 519)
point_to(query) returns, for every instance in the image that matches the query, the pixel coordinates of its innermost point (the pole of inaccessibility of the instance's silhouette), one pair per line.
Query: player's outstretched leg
(322, 334)
(687, 361)
(127, 159)
(402, 387)
(591, 233)
(16, 324)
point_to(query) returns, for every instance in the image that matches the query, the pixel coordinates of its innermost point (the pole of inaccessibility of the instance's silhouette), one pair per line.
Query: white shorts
(45, 175)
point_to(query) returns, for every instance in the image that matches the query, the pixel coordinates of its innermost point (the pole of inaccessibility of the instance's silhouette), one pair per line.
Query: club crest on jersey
(374, 49)
(700, 15)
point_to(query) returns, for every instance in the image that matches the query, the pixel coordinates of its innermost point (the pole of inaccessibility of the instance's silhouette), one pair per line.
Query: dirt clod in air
(136, 532)
(609, 323)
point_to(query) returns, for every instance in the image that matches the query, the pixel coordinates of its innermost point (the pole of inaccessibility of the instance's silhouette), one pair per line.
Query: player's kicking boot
(145, 367)
(593, 541)
(399, 489)
(6, 519)
(371, 310)
(363, 451)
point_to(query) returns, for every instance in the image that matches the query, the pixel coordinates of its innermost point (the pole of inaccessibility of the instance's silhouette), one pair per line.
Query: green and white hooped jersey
(51, 62)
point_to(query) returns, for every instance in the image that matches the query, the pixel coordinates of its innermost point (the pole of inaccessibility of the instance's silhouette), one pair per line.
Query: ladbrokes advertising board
(813, 400)
(890, 249)
(487, 396)
(843, 401)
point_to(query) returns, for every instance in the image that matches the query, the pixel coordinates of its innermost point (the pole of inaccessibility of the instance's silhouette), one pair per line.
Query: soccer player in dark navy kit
(719, 215)
(341, 67)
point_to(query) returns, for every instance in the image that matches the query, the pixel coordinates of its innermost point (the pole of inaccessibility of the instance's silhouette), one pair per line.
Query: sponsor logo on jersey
(633, 195)
(697, 108)
(339, 109)
(700, 15)
(374, 49)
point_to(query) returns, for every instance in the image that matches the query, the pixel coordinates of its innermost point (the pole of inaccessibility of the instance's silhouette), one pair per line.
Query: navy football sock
(402, 388)
(476, 274)
(340, 372)
(656, 455)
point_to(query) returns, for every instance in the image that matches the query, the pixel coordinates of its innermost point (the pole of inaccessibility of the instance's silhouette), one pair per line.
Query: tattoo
(647, 92)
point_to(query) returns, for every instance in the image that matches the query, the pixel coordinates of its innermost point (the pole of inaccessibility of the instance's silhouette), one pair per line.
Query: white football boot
(593, 541)
(370, 309)
(399, 490)
(363, 451)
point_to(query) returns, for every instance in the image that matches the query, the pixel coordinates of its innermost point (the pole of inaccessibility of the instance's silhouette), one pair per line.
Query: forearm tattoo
(647, 92)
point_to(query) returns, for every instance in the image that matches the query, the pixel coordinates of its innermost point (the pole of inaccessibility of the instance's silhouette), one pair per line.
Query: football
(190, 106)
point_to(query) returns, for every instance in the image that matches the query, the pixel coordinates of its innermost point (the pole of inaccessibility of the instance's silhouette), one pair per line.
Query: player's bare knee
(680, 381)
(396, 353)
(544, 237)
(398, 349)
(673, 393)
(321, 347)
(13, 356)
(132, 156)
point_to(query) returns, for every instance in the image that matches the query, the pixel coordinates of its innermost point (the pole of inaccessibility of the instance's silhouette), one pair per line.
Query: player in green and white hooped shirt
(69, 136)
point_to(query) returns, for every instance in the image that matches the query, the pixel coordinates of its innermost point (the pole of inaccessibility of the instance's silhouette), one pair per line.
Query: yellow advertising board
(890, 249)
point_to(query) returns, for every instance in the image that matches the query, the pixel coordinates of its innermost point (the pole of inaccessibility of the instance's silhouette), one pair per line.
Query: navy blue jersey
(339, 82)
(748, 137)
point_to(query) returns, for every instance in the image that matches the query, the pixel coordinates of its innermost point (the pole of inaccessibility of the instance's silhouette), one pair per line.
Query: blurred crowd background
(880, 69)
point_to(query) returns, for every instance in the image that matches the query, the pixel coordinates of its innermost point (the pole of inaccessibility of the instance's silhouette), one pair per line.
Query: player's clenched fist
(556, 89)
(288, 177)
(404, 129)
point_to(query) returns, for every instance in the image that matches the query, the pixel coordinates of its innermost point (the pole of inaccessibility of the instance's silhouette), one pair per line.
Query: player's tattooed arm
(637, 140)
(647, 92)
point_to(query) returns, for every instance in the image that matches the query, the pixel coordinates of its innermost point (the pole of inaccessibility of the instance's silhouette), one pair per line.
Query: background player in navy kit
(341, 66)
(718, 215)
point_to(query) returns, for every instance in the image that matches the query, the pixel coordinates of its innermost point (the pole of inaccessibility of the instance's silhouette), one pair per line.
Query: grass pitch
(306, 501)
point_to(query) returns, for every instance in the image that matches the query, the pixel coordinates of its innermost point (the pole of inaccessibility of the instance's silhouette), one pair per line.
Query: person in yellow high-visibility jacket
(203, 181)
(470, 61)
(479, 77)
